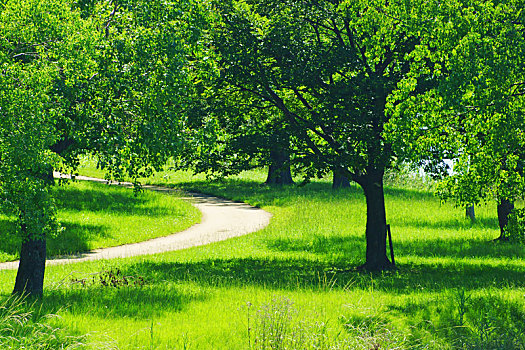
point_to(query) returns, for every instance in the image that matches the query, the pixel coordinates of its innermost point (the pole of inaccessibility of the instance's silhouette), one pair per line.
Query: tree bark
(279, 172)
(469, 213)
(376, 258)
(504, 208)
(30, 275)
(339, 181)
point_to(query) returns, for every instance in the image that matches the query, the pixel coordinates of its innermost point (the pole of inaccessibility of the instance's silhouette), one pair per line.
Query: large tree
(329, 67)
(39, 46)
(98, 77)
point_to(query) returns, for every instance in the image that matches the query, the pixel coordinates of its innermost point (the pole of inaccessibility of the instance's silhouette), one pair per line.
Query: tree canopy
(474, 114)
(89, 77)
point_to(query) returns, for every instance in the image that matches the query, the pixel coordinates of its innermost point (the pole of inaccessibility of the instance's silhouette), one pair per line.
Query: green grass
(455, 288)
(25, 326)
(97, 216)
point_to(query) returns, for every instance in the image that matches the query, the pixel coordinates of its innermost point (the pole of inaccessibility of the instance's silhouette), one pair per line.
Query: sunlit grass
(96, 216)
(455, 288)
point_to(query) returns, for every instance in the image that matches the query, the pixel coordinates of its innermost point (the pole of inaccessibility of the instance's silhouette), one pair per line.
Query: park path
(221, 219)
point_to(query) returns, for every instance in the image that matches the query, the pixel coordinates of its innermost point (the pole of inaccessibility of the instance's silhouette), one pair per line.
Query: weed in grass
(461, 299)
(275, 326)
(326, 283)
(367, 328)
(496, 323)
(110, 278)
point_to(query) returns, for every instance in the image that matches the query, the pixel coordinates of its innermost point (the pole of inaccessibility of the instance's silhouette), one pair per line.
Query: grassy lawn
(96, 216)
(292, 286)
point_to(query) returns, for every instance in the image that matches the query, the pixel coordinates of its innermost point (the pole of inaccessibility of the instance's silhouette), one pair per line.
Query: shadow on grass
(74, 239)
(300, 274)
(91, 198)
(451, 224)
(448, 248)
(108, 199)
(258, 194)
(261, 195)
(110, 302)
(249, 186)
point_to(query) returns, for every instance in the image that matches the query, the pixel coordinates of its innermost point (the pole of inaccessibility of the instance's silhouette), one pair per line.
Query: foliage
(87, 77)
(474, 114)
(299, 58)
(37, 46)
(515, 229)
(107, 80)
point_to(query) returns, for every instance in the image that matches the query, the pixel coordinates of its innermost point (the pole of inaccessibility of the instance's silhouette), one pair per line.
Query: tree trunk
(469, 213)
(32, 265)
(504, 208)
(279, 172)
(339, 181)
(376, 258)
(30, 275)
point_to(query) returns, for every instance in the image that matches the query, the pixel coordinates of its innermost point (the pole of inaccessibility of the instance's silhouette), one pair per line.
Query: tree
(329, 67)
(39, 42)
(98, 77)
(475, 113)
(227, 134)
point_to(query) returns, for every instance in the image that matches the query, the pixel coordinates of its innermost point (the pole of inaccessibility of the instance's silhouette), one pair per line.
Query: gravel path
(221, 219)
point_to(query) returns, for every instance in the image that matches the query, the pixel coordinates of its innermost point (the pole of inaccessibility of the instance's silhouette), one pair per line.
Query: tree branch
(356, 48)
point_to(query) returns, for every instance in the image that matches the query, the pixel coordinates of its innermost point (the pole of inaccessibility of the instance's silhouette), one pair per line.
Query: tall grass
(23, 325)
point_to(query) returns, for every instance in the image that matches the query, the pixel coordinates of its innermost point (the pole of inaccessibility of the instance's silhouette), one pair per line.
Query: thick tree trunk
(339, 181)
(279, 172)
(469, 213)
(504, 208)
(30, 275)
(376, 258)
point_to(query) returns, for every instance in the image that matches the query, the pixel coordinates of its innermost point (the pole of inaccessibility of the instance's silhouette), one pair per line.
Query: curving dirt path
(221, 219)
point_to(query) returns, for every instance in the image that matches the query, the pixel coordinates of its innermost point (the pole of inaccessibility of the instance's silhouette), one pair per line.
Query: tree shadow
(448, 248)
(139, 302)
(452, 224)
(460, 248)
(320, 245)
(409, 193)
(106, 200)
(73, 239)
(300, 274)
(259, 194)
